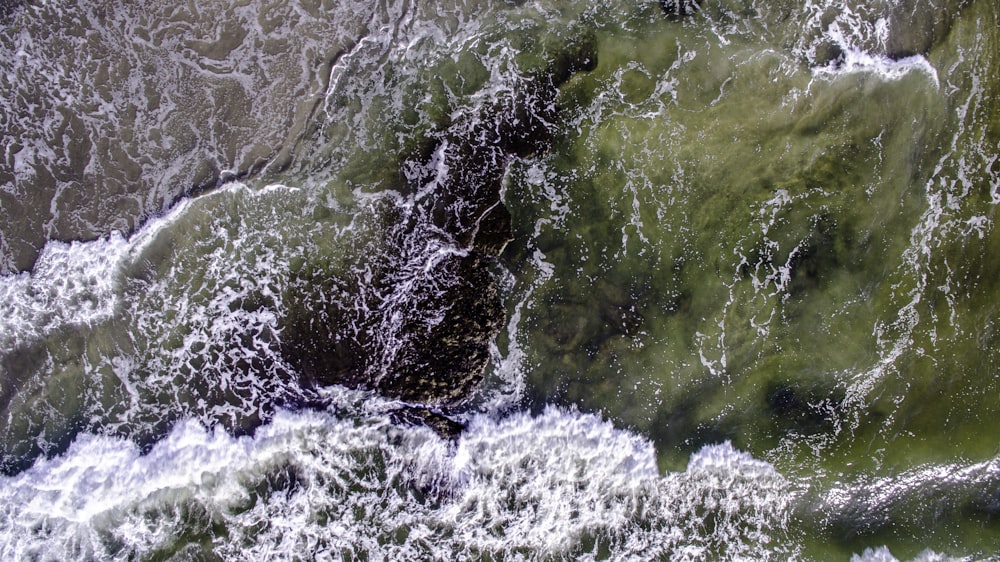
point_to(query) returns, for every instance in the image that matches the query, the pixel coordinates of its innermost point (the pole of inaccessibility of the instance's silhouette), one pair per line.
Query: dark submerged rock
(432, 302)
(829, 53)
(803, 410)
(440, 362)
(679, 8)
(917, 26)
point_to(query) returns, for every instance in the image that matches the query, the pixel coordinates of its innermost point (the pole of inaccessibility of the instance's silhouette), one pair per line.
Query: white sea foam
(178, 321)
(71, 284)
(860, 33)
(75, 283)
(883, 554)
(856, 61)
(560, 484)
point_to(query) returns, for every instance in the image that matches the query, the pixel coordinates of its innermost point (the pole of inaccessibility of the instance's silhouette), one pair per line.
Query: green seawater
(739, 246)
(771, 224)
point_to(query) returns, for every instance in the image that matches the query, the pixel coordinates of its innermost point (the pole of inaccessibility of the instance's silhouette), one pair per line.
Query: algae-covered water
(749, 298)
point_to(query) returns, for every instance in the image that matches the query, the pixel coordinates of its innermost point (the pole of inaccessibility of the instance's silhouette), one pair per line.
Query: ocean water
(749, 294)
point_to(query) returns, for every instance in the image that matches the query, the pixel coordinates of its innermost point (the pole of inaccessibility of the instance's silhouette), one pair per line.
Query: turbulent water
(748, 307)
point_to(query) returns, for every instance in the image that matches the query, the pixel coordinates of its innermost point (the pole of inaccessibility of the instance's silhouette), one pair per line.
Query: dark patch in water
(434, 304)
(800, 409)
(814, 262)
(919, 26)
(675, 9)
(829, 54)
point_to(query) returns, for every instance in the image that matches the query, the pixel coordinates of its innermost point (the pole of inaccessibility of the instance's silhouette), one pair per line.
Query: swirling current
(500, 280)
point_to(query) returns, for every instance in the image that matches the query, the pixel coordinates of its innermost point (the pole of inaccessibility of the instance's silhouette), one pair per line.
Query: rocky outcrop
(432, 300)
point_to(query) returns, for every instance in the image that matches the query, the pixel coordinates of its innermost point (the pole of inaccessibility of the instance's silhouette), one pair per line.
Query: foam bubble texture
(72, 284)
(561, 485)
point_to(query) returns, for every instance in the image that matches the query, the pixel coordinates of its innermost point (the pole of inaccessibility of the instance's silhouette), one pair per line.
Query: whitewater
(477, 280)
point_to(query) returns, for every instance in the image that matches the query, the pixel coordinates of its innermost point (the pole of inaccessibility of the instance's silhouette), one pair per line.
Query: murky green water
(767, 224)
(735, 244)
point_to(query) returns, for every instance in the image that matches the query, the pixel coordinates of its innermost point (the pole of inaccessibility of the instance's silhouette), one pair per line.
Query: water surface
(749, 301)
